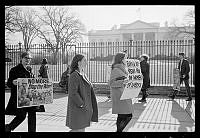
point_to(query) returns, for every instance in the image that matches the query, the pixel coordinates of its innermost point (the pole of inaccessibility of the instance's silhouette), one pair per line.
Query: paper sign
(34, 92)
(135, 80)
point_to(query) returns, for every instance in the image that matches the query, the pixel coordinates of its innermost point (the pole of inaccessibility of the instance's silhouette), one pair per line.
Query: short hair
(181, 53)
(44, 61)
(25, 54)
(145, 56)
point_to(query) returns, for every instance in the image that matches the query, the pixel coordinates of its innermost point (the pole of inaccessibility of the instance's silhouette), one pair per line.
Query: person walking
(64, 79)
(184, 68)
(146, 79)
(82, 105)
(118, 79)
(43, 71)
(20, 71)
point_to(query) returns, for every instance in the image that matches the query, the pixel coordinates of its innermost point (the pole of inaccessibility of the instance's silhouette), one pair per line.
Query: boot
(173, 94)
(189, 99)
(143, 96)
(7, 128)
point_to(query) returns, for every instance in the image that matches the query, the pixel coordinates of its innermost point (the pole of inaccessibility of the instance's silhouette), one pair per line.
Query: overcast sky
(104, 17)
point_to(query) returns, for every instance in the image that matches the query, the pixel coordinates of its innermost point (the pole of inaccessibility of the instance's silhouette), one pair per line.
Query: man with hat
(184, 69)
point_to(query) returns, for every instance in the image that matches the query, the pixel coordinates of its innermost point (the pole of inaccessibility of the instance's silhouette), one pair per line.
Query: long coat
(117, 88)
(18, 72)
(43, 71)
(145, 72)
(185, 68)
(80, 93)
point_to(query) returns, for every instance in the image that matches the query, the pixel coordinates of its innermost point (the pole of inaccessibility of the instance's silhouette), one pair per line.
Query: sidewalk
(159, 114)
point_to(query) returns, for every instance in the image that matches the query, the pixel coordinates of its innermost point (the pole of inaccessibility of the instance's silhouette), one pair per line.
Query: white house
(136, 31)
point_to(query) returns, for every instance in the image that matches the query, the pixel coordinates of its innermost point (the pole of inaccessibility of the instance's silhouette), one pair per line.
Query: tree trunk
(54, 60)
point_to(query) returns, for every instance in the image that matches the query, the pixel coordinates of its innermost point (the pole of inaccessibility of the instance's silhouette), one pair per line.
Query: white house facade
(136, 31)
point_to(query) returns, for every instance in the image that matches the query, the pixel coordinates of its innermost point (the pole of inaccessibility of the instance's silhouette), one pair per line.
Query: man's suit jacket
(185, 68)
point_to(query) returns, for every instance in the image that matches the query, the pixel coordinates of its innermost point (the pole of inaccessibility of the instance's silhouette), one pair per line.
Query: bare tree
(188, 28)
(59, 29)
(21, 20)
(26, 23)
(10, 20)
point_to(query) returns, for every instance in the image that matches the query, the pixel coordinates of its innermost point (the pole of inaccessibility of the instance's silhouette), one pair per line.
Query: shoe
(146, 95)
(142, 100)
(171, 96)
(7, 128)
(189, 99)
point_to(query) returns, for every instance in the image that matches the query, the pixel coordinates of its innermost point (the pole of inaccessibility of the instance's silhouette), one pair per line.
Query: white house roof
(139, 25)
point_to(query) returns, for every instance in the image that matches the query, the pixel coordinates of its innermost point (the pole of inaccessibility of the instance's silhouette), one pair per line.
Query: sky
(104, 17)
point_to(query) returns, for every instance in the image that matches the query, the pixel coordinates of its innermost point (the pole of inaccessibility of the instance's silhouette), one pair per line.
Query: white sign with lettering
(135, 80)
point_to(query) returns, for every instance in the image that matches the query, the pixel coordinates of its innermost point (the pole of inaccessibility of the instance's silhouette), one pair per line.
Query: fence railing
(163, 58)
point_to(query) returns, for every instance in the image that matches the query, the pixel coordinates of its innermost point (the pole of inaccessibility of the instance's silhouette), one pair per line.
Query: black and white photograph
(100, 68)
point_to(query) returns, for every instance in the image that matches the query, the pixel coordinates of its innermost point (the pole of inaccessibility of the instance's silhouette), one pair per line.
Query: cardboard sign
(176, 79)
(34, 92)
(135, 80)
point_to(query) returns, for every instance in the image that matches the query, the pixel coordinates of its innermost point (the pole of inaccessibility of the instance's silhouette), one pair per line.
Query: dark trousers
(122, 121)
(21, 117)
(144, 93)
(186, 81)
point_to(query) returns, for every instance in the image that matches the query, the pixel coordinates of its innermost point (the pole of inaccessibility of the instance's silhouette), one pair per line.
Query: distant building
(136, 31)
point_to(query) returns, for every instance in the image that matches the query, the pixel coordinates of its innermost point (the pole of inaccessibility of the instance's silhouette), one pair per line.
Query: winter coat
(43, 71)
(18, 72)
(80, 93)
(117, 88)
(185, 68)
(145, 72)
(64, 80)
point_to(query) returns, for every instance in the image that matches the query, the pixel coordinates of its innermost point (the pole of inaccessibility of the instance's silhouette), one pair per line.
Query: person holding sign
(82, 105)
(117, 82)
(146, 79)
(20, 71)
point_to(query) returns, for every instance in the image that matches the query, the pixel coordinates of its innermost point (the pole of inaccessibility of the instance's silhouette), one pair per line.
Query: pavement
(158, 114)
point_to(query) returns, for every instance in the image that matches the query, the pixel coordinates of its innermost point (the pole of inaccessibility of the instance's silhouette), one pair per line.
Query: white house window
(138, 36)
(150, 36)
(127, 37)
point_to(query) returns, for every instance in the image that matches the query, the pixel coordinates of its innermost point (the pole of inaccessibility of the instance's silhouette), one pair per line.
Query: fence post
(20, 48)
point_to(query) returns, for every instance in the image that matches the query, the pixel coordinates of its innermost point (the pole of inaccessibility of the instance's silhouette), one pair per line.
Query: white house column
(143, 37)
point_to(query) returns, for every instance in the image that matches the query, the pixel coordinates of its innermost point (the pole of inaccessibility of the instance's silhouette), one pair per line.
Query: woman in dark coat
(82, 104)
(43, 71)
(146, 79)
(20, 71)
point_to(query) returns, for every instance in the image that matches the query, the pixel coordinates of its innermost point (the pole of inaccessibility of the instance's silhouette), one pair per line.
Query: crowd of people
(82, 107)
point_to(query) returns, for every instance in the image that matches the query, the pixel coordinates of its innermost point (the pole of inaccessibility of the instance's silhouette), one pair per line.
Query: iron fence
(163, 58)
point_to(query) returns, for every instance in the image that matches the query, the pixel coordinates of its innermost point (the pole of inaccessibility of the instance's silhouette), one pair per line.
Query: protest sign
(176, 79)
(34, 92)
(135, 80)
